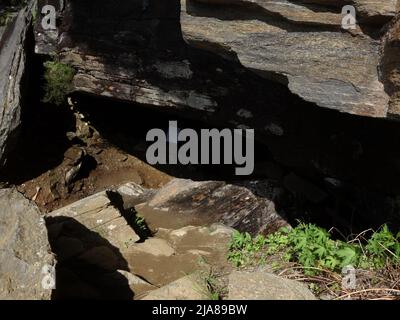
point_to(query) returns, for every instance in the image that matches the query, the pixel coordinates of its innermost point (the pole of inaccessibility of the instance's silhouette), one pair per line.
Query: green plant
(243, 248)
(214, 288)
(8, 9)
(58, 77)
(383, 246)
(141, 223)
(34, 13)
(128, 242)
(313, 248)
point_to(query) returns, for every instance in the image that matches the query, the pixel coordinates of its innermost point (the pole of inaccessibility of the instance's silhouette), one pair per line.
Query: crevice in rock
(246, 10)
(42, 136)
(389, 66)
(130, 215)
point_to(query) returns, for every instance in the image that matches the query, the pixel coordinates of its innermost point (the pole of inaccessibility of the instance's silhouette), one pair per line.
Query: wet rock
(265, 286)
(181, 251)
(156, 247)
(24, 248)
(201, 241)
(13, 56)
(160, 270)
(206, 202)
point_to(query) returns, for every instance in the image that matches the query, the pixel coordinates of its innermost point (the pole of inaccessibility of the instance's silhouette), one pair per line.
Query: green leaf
(347, 255)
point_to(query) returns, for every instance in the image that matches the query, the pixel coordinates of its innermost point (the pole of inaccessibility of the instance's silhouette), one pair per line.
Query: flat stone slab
(98, 214)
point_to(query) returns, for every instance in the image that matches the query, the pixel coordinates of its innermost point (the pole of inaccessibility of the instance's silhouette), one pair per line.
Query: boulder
(295, 44)
(205, 203)
(24, 249)
(99, 213)
(187, 288)
(376, 12)
(265, 286)
(155, 247)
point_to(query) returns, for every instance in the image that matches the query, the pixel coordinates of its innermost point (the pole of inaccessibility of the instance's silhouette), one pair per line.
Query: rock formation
(98, 247)
(251, 64)
(24, 249)
(13, 56)
(324, 102)
(298, 44)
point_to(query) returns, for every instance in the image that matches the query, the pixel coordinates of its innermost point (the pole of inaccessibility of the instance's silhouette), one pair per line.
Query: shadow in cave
(126, 126)
(42, 138)
(87, 263)
(247, 11)
(319, 138)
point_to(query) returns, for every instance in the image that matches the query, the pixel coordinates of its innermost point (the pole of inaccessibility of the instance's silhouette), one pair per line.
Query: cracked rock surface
(24, 249)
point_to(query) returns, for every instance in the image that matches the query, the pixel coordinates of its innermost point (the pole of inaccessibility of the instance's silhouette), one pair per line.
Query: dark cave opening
(301, 195)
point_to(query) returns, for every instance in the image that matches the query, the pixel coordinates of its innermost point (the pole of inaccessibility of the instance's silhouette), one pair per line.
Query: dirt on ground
(102, 166)
(75, 161)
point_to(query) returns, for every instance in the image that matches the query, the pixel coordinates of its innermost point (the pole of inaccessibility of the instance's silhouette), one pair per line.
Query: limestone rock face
(24, 249)
(13, 42)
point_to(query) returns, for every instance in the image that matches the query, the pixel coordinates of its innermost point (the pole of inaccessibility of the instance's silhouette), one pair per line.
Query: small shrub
(384, 247)
(312, 247)
(141, 223)
(58, 77)
(243, 249)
